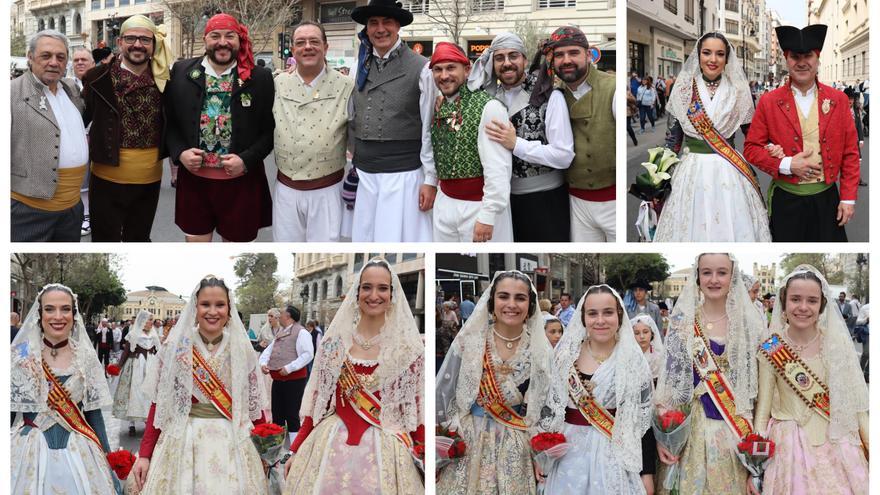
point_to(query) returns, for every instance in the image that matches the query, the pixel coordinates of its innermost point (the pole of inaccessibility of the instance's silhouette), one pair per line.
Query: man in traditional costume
(219, 109)
(591, 96)
(392, 111)
(285, 360)
(49, 150)
(126, 145)
(474, 171)
(813, 125)
(311, 135)
(640, 289)
(539, 136)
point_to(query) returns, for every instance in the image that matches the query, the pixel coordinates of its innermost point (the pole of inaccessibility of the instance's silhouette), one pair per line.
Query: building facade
(157, 300)
(766, 275)
(740, 21)
(846, 55)
(320, 281)
(65, 16)
(661, 34)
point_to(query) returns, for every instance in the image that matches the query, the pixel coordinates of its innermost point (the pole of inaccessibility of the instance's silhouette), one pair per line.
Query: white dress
(79, 468)
(710, 200)
(130, 402)
(591, 467)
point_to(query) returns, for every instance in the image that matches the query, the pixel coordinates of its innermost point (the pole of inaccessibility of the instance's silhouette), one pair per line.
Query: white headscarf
(29, 389)
(170, 383)
(744, 328)
(401, 360)
(137, 328)
(631, 387)
(846, 383)
(735, 110)
(656, 340)
(458, 381)
(483, 72)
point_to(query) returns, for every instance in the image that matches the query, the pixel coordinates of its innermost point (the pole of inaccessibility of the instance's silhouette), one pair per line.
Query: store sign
(669, 50)
(336, 12)
(475, 48)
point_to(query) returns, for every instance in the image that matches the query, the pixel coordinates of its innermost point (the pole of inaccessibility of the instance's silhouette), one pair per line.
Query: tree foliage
(257, 282)
(93, 277)
(821, 261)
(531, 33)
(623, 269)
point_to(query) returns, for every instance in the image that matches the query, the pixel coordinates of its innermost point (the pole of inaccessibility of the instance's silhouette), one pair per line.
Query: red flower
(457, 449)
(121, 461)
(419, 450)
(543, 441)
(671, 420)
(203, 121)
(765, 447)
(112, 370)
(266, 430)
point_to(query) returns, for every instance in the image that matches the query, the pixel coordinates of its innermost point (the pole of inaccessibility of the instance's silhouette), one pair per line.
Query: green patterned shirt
(215, 124)
(454, 135)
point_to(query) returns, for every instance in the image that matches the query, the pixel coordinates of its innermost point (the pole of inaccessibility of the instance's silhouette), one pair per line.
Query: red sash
(596, 415)
(797, 375)
(210, 385)
(364, 403)
(696, 113)
(491, 399)
(717, 385)
(61, 402)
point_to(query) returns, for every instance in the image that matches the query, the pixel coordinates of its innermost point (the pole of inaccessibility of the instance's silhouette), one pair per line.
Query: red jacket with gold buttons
(776, 121)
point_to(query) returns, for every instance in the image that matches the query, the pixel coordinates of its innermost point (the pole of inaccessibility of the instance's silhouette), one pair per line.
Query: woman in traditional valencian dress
(362, 407)
(139, 352)
(607, 409)
(59, 443)
(714, 326)
(492, 389)
(648, 337)
(809, 354)
(713, 198)
(207, 395)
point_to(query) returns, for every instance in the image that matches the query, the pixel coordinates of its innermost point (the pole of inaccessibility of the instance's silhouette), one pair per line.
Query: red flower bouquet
(670, 420)
(450, 446)
(754, 451)
(121, 462)
(671, 429)
(113, 370)
(266, 430)
(549, 448)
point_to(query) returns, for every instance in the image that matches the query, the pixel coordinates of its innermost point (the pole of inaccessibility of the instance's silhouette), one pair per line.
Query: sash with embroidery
(696, 113)
(364, 403)
(583, 398)
(797, 375)
(717, 385)
(61, 402)
(491, 399)
(210, 385)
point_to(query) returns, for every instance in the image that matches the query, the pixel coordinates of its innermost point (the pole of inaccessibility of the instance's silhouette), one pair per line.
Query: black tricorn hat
(801, 40)
(641, 284)
(382, 8)
(99, 54)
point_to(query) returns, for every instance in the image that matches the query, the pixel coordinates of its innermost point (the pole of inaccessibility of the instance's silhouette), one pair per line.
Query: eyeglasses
(512, 57)
(145, 40)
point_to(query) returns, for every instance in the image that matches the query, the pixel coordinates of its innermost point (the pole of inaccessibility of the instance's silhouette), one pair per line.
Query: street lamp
(60, 258)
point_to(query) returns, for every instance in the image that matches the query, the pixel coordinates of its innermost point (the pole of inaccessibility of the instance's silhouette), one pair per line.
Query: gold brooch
(826, 106)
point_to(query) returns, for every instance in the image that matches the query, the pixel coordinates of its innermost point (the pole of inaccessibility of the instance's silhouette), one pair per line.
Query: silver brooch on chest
(43, 103)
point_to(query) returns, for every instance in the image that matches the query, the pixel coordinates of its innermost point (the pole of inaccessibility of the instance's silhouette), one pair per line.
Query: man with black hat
(640, 289)
(591, 95)
(814, 126)
(392, 110)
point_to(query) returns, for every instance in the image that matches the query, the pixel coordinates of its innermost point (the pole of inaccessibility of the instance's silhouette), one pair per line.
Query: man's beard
(127, 56)
(577, 75)
(232, 57)
(518, 75)
(454, 91)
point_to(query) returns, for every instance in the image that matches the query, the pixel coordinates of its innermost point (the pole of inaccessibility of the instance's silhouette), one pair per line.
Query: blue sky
(793, 12)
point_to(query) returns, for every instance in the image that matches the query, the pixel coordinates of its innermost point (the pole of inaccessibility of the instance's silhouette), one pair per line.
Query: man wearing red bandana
(812, 124)
(220, 129)
(473, 170)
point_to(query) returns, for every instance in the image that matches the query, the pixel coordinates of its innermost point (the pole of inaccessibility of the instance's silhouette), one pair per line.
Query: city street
(856, 229)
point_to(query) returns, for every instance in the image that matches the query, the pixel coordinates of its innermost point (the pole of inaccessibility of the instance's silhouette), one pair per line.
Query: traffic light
(284, 45)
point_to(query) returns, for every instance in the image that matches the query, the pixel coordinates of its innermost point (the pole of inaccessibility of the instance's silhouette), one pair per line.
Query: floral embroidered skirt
(709, 465)
(497, 461)
(798, 467)
(206, 459)
(325, 464)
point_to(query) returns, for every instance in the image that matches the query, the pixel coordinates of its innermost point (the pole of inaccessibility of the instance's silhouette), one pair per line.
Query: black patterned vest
(454, 134)
(529, 124)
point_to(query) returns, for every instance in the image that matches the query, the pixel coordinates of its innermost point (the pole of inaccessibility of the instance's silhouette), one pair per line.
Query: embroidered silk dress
(710, 200)
(49, 458)
(344, 453)
(130, 403)
(498, 459)
(805, 460)
(207, 457)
